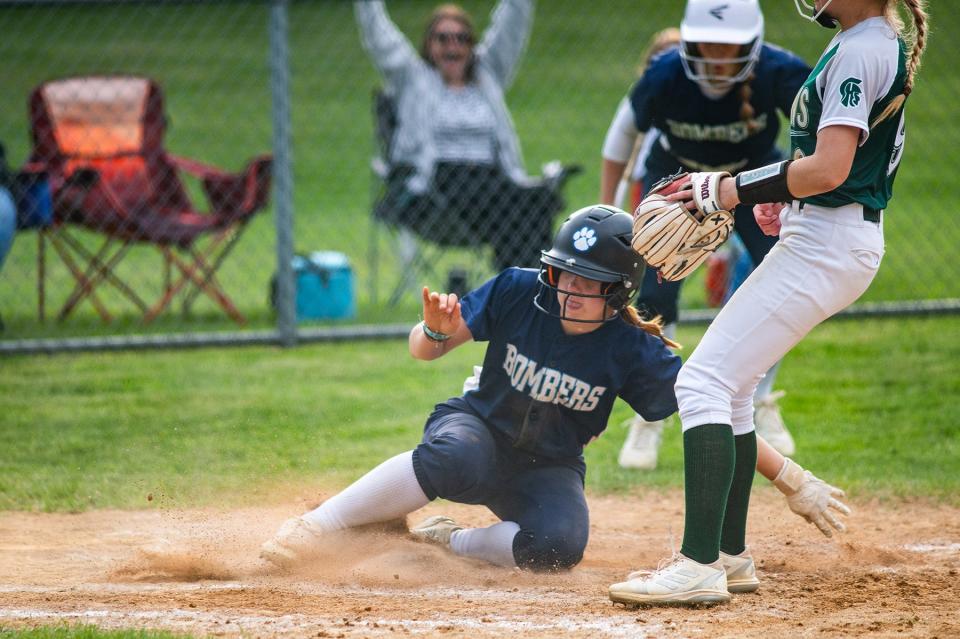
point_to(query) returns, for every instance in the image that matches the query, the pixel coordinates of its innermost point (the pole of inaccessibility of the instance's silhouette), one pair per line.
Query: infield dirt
(893, 574)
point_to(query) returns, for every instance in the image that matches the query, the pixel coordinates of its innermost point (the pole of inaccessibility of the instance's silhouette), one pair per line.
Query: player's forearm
(822, 172)
(769, 461)
(610, 173)
(424, 348)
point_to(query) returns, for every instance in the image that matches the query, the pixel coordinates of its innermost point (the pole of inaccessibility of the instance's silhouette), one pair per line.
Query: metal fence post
(282, 171)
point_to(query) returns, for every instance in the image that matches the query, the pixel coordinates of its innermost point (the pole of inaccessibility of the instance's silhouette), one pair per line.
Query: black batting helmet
(594, 243)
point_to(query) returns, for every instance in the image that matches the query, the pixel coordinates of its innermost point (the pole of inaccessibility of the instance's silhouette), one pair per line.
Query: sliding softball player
(563, 344)
(826, 204)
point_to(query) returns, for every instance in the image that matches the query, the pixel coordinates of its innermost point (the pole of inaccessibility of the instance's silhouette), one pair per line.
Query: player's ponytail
(654, 326)
(918, 10)
(747, 112)
(917, 37)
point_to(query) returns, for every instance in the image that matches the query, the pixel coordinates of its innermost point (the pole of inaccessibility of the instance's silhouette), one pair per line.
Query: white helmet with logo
(723, 22)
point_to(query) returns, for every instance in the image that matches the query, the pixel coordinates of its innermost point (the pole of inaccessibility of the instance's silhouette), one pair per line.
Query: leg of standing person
(826, 259)
(767, 416)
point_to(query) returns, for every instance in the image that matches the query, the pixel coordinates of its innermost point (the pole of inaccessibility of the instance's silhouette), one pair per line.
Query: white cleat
(642, 445)
(297, 539)
(741, 572)
(740, 569)
(770, 426)
(682, 582)
(436, 530)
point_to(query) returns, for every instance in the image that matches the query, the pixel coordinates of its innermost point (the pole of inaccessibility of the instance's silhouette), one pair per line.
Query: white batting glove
(811, 497)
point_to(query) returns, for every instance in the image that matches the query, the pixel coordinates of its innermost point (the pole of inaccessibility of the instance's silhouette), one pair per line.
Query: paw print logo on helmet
(584, 238)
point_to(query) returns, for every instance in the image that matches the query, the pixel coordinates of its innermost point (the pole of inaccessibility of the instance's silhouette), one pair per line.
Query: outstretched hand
(441, 311)
(813, 501)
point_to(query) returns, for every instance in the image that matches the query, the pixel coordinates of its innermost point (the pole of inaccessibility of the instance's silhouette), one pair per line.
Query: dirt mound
(894, 573)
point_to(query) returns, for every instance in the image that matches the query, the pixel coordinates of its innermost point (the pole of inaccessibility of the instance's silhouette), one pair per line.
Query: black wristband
(766, 184)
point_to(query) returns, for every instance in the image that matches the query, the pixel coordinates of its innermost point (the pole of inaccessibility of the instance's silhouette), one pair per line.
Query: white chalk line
(937, 548)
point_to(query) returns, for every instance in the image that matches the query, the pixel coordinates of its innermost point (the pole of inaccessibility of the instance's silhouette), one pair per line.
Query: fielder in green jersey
(826, 204)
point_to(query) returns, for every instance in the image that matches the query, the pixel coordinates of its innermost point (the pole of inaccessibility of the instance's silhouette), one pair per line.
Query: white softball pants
(825, 259)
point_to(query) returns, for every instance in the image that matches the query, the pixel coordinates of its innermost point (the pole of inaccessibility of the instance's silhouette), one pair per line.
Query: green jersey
(861, 72)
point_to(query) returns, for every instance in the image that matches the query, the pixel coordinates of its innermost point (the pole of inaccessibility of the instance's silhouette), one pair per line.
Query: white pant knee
(703, 398)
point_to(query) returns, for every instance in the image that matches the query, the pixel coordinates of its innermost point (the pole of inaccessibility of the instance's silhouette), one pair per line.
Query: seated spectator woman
(456, 173)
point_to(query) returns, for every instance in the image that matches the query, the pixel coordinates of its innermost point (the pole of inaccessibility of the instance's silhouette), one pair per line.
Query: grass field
(872, 405)
(212, 61)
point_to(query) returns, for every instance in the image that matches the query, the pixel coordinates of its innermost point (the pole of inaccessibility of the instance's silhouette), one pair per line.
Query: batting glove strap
(790, 477)
(706, 191)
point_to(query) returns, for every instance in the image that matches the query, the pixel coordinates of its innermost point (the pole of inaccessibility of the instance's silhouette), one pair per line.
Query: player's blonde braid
(747, 112)
(919, 40)
(654, 326)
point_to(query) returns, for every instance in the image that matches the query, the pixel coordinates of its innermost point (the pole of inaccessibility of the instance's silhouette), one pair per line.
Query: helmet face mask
(716, 22)
(697, 66)
(808, 10)
(547, 299)
(593, 243)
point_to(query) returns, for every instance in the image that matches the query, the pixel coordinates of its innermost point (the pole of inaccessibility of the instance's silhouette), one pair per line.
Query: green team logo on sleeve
(850, 92)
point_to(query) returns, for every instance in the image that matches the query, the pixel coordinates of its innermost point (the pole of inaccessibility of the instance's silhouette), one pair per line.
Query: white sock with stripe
(389, 491)
(493, 544)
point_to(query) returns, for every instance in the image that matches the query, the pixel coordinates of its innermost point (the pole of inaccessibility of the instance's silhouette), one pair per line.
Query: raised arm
(619, 147)
(386, 45)
(442, 328)
(505, 39)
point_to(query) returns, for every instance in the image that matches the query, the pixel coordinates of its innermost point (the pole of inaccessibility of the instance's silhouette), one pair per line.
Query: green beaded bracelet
(433, 335)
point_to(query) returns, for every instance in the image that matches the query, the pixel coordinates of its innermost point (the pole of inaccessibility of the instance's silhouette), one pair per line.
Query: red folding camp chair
(99, 139)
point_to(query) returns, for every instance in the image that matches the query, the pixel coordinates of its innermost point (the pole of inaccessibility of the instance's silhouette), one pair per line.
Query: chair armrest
(199, 169)
(231, 195)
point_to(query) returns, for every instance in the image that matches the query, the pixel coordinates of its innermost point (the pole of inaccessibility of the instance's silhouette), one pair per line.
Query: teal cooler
(324, 286)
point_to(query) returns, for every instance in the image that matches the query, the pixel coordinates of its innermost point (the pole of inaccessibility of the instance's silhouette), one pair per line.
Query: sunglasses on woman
(445, 37)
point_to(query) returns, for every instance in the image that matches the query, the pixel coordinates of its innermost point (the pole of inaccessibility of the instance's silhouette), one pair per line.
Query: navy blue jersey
(710, 132)
(549, 392)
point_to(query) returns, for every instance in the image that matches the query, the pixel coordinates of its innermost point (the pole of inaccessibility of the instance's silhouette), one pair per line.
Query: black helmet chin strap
(827, 20)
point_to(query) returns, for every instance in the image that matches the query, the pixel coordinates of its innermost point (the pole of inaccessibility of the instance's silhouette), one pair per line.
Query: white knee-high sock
(388, 491)
(765, 387)
(493, 544)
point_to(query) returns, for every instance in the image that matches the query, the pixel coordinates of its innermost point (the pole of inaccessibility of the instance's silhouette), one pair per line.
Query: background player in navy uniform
(564, 343)
(715, 102)
(847, 132)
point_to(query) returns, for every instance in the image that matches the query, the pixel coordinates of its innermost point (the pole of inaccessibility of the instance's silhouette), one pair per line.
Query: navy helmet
(594, 243)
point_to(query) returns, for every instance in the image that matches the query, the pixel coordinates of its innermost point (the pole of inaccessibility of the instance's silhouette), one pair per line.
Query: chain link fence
(192, 147)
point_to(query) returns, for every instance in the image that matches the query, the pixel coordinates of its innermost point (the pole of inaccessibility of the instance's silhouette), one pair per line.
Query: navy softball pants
(461, 460)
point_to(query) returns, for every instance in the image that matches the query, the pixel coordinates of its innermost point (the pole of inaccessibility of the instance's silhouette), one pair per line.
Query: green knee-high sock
(734, 534)
(708, 462)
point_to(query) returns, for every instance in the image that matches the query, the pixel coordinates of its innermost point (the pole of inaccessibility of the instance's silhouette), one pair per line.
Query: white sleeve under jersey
(859, 74)
(622, 134)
